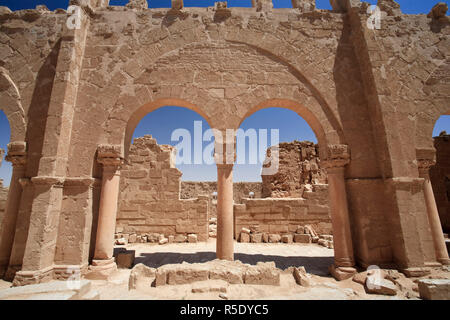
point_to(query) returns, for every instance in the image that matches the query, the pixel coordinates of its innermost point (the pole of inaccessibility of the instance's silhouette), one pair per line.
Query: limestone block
(377, 285)
(210, 286)
(228, 273)
(121, 241)
(244, 237)
(265, 237)
(192, 238)
(286, 238)
(256, 237)
(180, 238)
(300, 230)
(163, 241)
(171, 239)
(125, 259)
(301, 277)
(141, 275)
(245, 230)
(263, 274)
(274, 238)
(132, 238)
(186, 273)
(434, 289)
(302, 238)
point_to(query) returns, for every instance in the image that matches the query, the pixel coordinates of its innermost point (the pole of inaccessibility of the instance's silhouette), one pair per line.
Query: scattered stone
(274, 238)
(256, 237)
(171, 239)
(192, 238)
(378, 285)
(163, 241)
(223, 296)
(434, 289)
(286, 238)
(132, 238)
(210, 286)
(265, 237)
(141, 275)
(244, 237)
(302, 238)
(264, 273)
(300, 230)
(121, 241)
(301, 277)
(180, 238)
(254, 229)
(125, 259)
(153, 237)
(245, 230)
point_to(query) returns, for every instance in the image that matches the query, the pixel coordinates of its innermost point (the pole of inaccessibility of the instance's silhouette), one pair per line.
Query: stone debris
(141, 275)
(192, 238)
(434, 289)
(210, 286)
(302, 277)
(125, 259)
(231, 272)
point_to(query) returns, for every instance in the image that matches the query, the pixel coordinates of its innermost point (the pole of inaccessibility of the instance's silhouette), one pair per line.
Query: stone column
(432, 212)
(17, 156)
(224, 157)
(338, 158)
(103, 263)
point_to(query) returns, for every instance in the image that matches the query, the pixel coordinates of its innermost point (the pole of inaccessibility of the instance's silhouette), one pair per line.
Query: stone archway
(335, 156)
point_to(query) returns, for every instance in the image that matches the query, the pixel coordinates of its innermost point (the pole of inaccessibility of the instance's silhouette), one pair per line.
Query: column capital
(17, 153)
(110, 155)
(338, 156)
(426, 158)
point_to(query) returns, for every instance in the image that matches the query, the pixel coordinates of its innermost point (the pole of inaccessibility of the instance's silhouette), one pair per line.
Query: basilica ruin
(74, 85)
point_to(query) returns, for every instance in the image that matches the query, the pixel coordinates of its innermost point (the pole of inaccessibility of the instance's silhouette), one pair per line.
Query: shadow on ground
(313, 265)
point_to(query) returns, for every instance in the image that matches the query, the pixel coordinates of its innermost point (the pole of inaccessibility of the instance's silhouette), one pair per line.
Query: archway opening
(281, 210)
(440, 172)
(5, 166)
(166, 187)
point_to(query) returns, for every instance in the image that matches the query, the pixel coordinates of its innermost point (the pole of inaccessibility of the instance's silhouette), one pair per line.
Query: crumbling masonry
(74, 93)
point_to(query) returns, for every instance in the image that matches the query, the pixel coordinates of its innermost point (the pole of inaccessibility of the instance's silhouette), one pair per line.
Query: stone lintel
(80, 182)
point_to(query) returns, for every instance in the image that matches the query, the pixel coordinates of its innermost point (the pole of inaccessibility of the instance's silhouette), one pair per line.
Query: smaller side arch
(323, 138)
(145, 109)
(10, 103)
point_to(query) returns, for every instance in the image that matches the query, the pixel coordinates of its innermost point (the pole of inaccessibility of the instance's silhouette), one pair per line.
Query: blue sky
(162, 122)
(408, 6)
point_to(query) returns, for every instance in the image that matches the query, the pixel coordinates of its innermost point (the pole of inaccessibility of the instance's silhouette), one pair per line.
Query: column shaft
(104, 246)
(433, 219)
(343, 248)
(224, 240)
(8, 225)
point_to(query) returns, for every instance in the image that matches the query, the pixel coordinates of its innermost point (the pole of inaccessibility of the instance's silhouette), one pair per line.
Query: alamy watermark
(226, 145)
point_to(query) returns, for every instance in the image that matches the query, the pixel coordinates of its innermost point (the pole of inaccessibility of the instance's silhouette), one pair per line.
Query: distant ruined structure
(440, 178)
(74, 86)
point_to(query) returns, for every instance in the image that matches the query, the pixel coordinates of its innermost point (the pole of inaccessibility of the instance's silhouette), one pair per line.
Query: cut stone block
(274, 238)
(286, 238)
(264, 273)
(256, 237)
(125, 260)
(192, 238)
(434, 289)
(302, 238)
(244, 237)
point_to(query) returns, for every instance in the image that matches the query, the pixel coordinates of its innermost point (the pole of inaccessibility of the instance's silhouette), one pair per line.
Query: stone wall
(284, 215)
(299, 168)
(440, 179)
(3, 191)
(149, 199)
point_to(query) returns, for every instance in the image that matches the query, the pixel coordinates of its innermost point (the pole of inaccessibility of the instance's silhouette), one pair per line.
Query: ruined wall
(440, 179)
(299, 168)
(191, 189)
(149, 200)
(284, 215)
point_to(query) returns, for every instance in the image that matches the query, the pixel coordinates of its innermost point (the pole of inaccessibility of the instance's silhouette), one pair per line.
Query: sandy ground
(313, 257)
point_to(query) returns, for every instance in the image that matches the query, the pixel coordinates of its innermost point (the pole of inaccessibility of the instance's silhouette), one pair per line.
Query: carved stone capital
(426, 158)
(110, 155)
(338, 156)
(17, 153)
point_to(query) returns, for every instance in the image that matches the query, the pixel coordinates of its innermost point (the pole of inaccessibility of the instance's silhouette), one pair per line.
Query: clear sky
(162, 122)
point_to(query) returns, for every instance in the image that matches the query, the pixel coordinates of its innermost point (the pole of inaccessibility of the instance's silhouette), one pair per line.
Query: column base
(23, 278)
(101, 269)
(444, 261)
(416, 271)
(342, 273)
(11, 272)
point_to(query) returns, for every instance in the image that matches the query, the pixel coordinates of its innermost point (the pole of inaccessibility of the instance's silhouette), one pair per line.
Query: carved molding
(338, 155)
(110, 155)
(17, 153)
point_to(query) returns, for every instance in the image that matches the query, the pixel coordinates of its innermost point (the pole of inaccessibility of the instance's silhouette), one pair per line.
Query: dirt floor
(316, 260)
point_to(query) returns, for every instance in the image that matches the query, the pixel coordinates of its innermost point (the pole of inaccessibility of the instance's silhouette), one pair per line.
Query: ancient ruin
(74, 85)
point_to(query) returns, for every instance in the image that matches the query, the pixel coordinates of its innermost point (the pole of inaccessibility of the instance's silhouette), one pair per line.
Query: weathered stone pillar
(432, 212)
(103, 263)
(225, 157)
(17, 156)
(338, 158)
